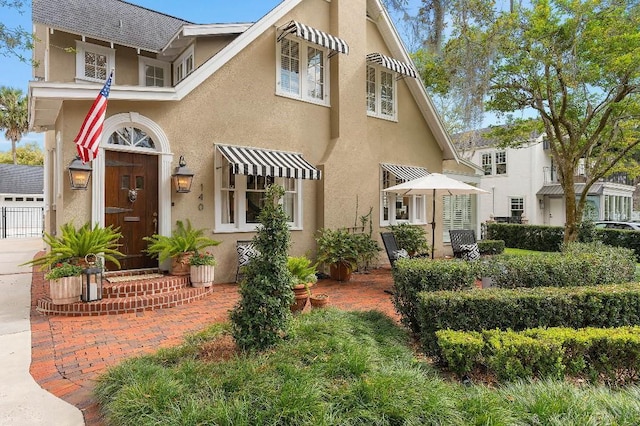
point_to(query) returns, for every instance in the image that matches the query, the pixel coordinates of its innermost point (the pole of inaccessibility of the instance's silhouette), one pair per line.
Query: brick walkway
(69, 353)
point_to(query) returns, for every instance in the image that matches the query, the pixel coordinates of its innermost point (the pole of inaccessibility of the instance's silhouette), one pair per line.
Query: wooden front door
(131, 203)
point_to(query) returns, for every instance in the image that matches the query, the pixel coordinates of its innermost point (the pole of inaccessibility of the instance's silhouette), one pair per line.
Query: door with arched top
(131, 204)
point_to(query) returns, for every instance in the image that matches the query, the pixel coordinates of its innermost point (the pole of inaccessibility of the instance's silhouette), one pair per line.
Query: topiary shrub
(262, 316)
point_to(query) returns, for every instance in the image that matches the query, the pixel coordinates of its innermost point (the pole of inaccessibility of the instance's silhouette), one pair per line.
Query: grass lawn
(336, 368)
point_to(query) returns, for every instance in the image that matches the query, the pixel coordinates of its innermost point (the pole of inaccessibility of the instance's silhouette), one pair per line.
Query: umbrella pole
(433, 225)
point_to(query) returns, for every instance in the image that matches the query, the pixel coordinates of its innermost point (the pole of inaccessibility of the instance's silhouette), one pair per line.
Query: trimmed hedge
(491, 247)
(611, 354)
(579, 265)
(520, 309)
(411, 276)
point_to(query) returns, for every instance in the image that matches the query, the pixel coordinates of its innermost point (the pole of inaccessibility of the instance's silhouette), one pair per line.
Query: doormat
(127, 278)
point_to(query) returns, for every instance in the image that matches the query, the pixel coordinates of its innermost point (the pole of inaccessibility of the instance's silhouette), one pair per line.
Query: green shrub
(411, 276)
(411, 238)
(490, 247)
(460, 350)
(262, 316)
(519, 309)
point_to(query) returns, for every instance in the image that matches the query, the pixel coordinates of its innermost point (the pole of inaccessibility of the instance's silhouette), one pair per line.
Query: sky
(16, 74)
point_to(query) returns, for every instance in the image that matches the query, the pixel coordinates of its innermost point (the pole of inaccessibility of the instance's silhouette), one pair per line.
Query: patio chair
(246, 251)
(391, 246)
(464, 244)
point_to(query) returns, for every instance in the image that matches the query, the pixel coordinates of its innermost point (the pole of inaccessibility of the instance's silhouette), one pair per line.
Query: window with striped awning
(405, 173)
(265, 162)
(392, 64)
(335, 44)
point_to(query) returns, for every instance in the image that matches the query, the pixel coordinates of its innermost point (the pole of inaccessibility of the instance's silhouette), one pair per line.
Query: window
(517, 207)
(302, 71)
(131, 137)
(93, 62)
(501, 163)
(241, 198)
(494, 163)
(183, 66)
(458, 213)
(487, 164)
(396, 208)
(153, 73)
(381, 89)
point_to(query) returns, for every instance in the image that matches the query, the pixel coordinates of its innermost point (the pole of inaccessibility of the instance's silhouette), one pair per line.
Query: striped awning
(405, 173)
(335, 44)
(392, 64)
(265, 162)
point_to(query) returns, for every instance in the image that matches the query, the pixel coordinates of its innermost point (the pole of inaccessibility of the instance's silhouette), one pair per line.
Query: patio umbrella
(434, 184)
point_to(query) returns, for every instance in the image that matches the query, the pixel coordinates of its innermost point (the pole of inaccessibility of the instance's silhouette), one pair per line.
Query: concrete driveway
(22, 401)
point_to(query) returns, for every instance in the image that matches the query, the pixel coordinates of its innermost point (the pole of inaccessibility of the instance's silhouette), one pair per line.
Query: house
(319, 96)
(524, 183)
(21, 200)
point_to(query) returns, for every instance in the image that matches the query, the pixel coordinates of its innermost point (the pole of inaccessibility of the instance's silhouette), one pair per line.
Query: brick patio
(69, 353)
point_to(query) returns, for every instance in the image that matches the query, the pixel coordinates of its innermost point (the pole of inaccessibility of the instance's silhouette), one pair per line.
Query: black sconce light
(79, 174)
(182, 177)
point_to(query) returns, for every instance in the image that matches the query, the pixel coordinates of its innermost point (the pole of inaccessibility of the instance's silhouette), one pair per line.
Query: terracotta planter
(65, 290)
(180, 264)
(301, 295)
(340, 271)
(319, 300)
(201, 276)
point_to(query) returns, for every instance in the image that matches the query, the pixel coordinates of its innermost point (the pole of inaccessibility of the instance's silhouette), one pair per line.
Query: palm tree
(13, 116)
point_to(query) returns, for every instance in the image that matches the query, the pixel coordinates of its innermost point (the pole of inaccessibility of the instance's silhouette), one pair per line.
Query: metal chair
(246, 251)
(464, 244)
(391, 246)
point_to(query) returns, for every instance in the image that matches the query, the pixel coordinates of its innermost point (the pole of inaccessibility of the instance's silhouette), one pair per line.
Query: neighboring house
(21, 200)
(524, 184)
(318, 96)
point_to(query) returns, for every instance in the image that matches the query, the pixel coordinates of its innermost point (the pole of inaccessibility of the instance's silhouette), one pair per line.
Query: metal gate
(21, 222)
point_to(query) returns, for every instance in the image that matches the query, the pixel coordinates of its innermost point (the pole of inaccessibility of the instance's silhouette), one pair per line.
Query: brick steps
(131, 297)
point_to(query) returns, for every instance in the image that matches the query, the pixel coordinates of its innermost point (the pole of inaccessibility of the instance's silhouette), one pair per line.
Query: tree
(29, 154)
(262, 316)
(14, 40)
(577, 65)
(13, 116)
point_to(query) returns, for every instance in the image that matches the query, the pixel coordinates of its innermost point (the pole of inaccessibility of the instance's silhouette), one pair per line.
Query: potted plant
(303, 276)
(73, 245)
(65, 283)
(319, 300)
(411, 238)
(201, 269)
(179, 247)
(338, 248)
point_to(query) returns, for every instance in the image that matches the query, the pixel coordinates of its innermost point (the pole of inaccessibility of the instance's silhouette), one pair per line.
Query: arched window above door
(132, 137)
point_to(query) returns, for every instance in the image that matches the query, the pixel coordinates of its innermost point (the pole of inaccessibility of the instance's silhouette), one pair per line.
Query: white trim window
(381, 92)
(93, 62)
(302, 71)
(396, 208)
(458, 212)
(516, 206)
(184, 65)
(240, 198)
(494, 163)
(153, 73)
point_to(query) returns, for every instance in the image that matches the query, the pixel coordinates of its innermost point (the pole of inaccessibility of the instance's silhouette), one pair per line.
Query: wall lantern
(91, 280)
(182, 177)
(79, 174)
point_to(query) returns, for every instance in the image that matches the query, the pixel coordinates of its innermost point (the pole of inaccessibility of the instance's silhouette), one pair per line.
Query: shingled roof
(20, 179)
(109, 20)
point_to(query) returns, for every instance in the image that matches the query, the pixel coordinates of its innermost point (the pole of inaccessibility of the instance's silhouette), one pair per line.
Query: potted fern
(65, 283)
(73, 245)
(179, 247)
(303, 276)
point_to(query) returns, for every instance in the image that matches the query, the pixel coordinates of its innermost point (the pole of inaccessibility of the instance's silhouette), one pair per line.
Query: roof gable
(109, 20)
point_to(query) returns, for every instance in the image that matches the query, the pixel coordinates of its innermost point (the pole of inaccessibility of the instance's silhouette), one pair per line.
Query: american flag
(88, 139)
